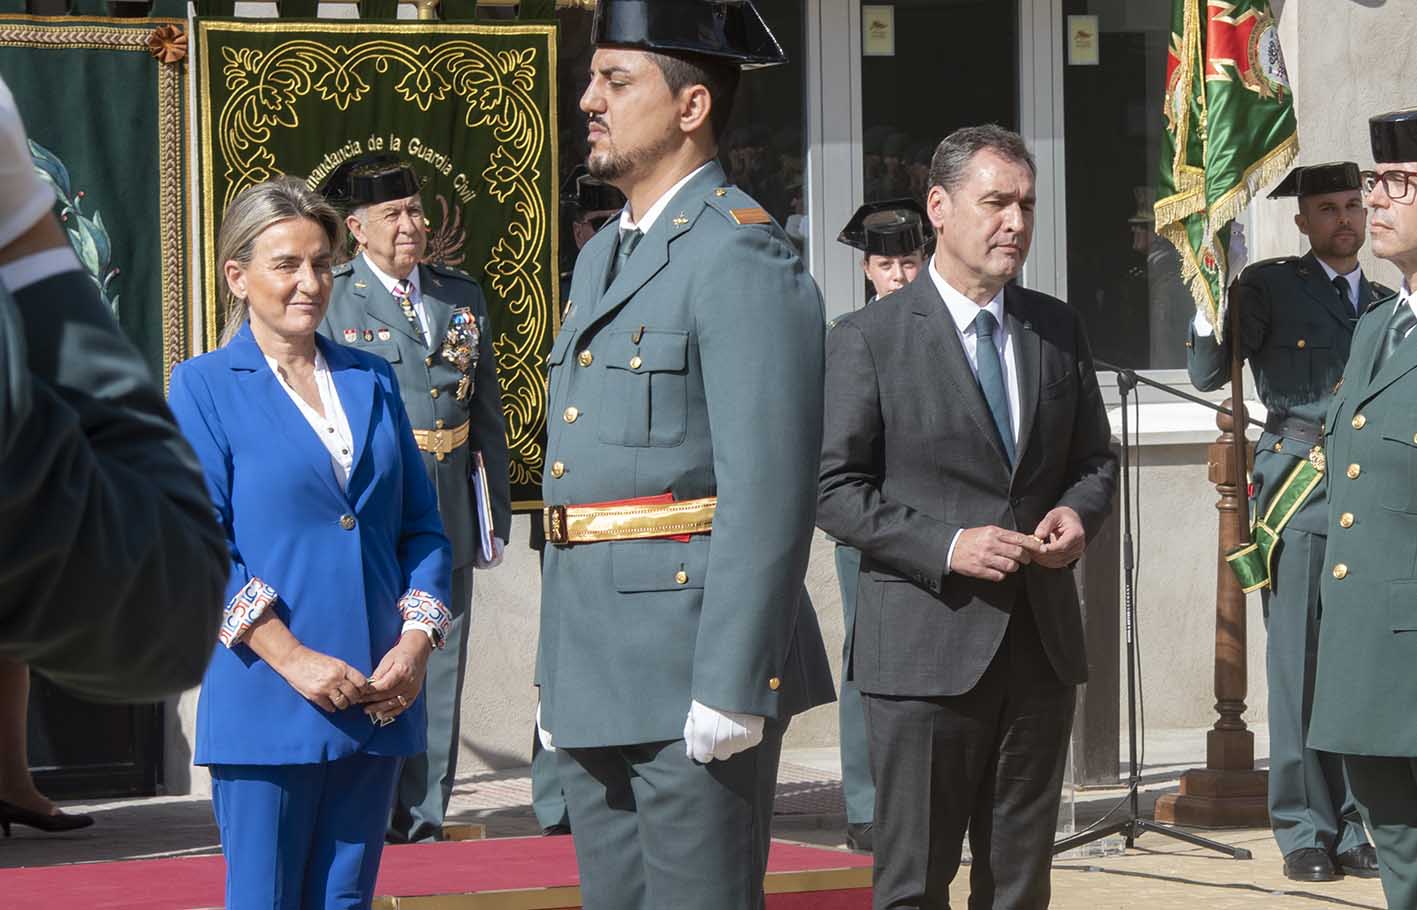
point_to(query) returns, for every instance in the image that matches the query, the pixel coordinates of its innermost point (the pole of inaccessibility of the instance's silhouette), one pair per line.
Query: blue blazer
(276, 494)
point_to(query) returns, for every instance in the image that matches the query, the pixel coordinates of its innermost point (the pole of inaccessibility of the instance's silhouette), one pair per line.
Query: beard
(613, 165)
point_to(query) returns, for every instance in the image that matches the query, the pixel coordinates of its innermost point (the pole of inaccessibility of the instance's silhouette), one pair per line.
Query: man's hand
(542, 733)
(398, 679)
(499, 549)
(327, 681)
(1063, 538)
(712, 734)
(992, 553)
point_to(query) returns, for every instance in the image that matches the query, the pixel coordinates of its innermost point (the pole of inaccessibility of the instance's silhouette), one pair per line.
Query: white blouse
(333, 428)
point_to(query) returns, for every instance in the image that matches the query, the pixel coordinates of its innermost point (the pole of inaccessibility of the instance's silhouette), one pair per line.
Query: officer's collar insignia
(680, 220)
(350, 336)
(436, 282)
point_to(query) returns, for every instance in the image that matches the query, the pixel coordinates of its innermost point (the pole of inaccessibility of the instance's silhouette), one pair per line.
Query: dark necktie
(402, 289)
(1340, 284)
(629, 239)
(1400, 323)
(991, 379)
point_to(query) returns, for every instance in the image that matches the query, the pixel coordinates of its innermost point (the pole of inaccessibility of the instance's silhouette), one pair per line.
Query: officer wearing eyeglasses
(1366, 682)
(1296, 324)
(893, 235)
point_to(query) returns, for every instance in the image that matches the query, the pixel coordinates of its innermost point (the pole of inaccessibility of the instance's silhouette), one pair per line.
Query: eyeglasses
(1397, 184)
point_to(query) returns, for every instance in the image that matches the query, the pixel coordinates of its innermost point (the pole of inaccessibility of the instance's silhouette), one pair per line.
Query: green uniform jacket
(698, 372)
(1366, 682)
(112, 563)
(363, 314)
(1295, 333)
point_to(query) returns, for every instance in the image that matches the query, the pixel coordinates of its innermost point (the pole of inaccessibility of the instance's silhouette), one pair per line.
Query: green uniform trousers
(858, 791)
(1310, 802)
(425, 784)
(654, 829)
(1386, 789)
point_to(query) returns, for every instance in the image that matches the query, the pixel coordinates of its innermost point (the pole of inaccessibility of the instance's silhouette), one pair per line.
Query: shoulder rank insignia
(754, 215)
(344, 268)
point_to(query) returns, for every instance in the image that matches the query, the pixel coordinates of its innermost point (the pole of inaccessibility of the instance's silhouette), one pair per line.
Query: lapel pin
(350, 336)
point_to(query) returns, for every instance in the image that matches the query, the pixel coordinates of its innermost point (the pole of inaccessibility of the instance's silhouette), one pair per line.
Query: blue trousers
(303, 837)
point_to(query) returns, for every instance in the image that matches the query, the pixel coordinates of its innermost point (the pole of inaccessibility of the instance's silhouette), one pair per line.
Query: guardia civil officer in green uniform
(892, 234)
(1366, 683)
(1297, 316)
(677, 639)
(430, 323)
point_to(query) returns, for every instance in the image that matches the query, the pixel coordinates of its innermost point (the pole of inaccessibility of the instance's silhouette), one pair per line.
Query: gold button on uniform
(1353, 471)
(428, 361)
(438, 424)
(585, 358)
(774, 684)
(557, 469)
(433, 393)
(1359, 421)
(441, 456)
(635, 362)
(1345, 520)
(1340, 571)
(1302, 344)
(681, 577)
(347, 522)
(570, 414)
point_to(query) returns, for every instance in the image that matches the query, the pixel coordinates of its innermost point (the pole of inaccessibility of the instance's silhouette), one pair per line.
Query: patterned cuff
(242, 611)
(422, 610)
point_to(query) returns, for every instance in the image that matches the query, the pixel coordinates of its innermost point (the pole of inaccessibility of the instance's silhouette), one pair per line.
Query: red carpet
(516, 873)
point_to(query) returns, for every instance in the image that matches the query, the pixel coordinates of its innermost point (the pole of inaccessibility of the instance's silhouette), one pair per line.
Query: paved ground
(1157, 874)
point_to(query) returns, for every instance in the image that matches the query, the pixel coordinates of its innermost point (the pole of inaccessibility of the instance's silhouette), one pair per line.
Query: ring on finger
(403, 702)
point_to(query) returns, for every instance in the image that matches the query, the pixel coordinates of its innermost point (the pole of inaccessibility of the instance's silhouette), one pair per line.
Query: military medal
(384, 335)
(368, 334)
(350, 336)
(461, 348)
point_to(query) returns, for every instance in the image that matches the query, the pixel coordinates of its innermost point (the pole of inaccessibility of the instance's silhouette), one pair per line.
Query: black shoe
(1361, 862)
(555, 830)
(861, 836)
(11, 814)
(1308, 864)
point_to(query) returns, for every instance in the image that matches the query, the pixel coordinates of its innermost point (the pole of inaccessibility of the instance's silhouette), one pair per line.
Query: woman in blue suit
(339, 568)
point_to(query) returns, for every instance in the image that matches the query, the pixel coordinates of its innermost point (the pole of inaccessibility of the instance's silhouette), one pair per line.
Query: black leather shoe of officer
(1361, 862)
(559, 830)
(1309, 864)
(861, 836)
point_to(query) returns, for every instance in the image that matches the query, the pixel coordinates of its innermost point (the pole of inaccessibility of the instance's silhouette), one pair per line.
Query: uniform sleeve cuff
(421, 610)
(245, 607)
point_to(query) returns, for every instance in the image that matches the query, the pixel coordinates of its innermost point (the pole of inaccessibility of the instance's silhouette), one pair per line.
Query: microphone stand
(1133, 825)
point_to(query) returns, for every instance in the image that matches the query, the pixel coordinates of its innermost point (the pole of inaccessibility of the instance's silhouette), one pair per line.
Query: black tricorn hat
(894, 227)
(590, 194)
(369, 179)
(1334, 177)
(1394, 136)
(729, 30)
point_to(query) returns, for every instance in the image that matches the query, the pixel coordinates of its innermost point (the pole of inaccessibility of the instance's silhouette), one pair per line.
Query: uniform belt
(1293, 428)
(442, 442)
(597, 522)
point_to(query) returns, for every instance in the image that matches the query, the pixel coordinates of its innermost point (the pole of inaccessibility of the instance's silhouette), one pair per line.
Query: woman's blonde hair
(250, 214)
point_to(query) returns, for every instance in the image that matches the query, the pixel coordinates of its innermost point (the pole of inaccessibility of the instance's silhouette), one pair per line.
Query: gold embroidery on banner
(495, 90)
(71, 32)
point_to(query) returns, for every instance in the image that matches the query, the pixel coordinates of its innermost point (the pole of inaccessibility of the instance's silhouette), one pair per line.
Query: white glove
(541, 732)
(711, 734)
(1239, 253)
(499, 549)
(26, 196)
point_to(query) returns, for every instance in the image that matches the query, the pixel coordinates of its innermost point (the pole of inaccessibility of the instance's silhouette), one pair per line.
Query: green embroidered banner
(472, 106)
(107, 122)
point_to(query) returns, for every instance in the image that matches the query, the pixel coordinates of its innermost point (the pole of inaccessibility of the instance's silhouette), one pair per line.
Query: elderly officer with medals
(430, 323)
(1366, 682)
(1296, 324)
(677, 639)
(893, 236)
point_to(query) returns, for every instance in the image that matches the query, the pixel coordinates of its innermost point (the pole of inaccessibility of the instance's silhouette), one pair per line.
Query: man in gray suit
(430, 323)
(966, 454)
(677, 639)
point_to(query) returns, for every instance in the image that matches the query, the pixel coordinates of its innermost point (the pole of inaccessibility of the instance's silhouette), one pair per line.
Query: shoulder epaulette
(737, 206)
(449, 272)
(1269, 263)
(344, 268)
(1381, 292)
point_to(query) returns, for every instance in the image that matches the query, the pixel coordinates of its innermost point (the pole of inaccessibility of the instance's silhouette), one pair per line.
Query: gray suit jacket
(697, 371)
(909, 457)
(112, 563)
(365, 315)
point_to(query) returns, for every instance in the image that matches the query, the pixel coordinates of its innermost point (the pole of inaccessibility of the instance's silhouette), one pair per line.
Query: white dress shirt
(333, 427)
(1352, 278)
(415, 296)
(963, 312)
(652, 214)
